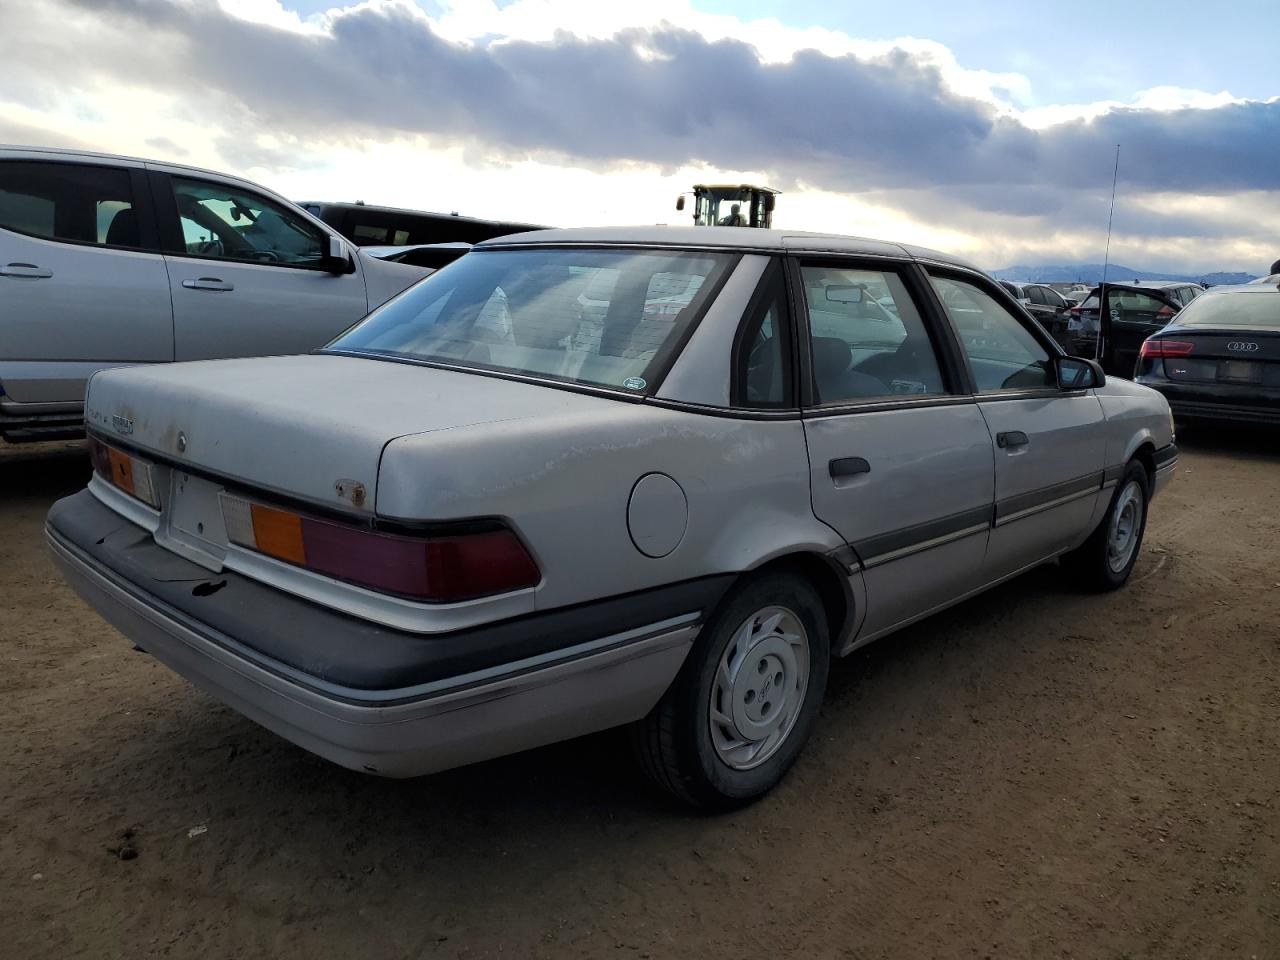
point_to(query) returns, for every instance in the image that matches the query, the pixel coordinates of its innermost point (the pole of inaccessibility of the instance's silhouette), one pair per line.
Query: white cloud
(306, 156)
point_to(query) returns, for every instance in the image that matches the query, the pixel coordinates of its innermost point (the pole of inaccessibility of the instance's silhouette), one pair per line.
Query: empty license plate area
(1240, 371)
(194, 526)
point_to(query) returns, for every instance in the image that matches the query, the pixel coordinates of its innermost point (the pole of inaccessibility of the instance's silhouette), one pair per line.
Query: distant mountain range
(1091, 273)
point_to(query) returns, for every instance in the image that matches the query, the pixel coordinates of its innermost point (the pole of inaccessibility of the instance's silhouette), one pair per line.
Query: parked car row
(109, 260)
(1044, 303)
(1132, 312)
(591, 478)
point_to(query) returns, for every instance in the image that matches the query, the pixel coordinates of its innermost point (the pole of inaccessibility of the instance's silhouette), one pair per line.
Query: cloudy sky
(984, 129)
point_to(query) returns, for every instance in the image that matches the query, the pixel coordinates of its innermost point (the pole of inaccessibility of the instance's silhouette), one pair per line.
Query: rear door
(900, 457)
(245, 272)
(1049, 444)
(82, 283)
(1130, 315)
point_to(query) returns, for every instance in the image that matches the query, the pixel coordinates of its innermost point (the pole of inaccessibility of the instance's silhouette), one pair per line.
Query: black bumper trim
(1166, 454)
(1199, 410)
(334, 647)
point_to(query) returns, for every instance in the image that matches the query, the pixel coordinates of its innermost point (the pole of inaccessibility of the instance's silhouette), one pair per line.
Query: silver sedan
(579, 479)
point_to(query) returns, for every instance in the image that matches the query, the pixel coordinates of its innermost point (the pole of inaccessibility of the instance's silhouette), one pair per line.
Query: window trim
(148, 231)
(170, 222)
(771, 287)
(995, 291)
(956, 379)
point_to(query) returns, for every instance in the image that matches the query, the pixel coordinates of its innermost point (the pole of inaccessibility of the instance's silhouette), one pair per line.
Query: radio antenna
(1106, 257)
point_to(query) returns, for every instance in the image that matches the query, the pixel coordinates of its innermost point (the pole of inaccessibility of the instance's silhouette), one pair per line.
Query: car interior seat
(123, 231)
(833, 374)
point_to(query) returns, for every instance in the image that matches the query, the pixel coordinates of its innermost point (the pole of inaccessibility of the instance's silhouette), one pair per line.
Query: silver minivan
(109, 261)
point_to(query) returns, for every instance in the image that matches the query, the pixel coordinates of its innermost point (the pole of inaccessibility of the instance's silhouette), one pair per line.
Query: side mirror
(680, 202)
(1078, 373)
(336, 260)
(768, 203)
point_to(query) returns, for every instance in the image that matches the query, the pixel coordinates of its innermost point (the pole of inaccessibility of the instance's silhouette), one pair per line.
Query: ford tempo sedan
(578, 479)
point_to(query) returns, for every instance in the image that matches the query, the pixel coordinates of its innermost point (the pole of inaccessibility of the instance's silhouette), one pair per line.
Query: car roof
(345, 205)
(1153, 284)
(1236, 289)
(97, 155)
(728, 238)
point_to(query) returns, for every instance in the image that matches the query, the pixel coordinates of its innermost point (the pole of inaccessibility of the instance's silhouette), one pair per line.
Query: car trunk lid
(308, 428)
(1225, 355)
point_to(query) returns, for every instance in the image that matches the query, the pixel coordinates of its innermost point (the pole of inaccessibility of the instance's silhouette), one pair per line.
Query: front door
(1130, 315)
(245, 274)
(900, 459)
(1049, 446)
(82, 285)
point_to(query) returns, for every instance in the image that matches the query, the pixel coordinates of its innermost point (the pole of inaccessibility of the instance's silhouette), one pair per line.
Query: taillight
(123, 471)
(474, 560)
(1165, 311)
(1075, 310)
(1166, 348)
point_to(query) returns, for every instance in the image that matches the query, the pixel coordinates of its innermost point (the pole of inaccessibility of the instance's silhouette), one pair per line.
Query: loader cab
(731, 205)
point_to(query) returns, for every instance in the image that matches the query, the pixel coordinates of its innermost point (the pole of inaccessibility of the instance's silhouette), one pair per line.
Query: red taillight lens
(1075, 310)
(123, 471)
(1166, 348)
(478, 562)
(1165, 311)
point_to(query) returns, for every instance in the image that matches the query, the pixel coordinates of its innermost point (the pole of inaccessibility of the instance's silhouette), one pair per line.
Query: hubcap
(759, 687)
(1126, 521)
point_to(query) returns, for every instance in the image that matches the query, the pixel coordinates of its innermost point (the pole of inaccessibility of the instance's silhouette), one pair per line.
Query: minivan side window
(1003, 354)
(225, 223)
(75, 202)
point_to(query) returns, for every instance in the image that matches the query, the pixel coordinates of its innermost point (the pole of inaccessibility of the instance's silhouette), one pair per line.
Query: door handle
(208, 283)
(847, 467)
(26, 271)
(1012, 438)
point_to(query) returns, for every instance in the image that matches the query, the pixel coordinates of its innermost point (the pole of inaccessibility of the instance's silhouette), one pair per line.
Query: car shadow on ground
(591, 780)
(42, 470)
(1251, 441)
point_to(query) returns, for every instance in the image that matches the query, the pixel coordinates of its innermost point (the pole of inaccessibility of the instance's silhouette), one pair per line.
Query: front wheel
(1106, 559)
(743, 704)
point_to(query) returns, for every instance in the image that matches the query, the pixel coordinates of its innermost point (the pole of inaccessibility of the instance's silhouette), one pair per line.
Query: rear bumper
(395, 731)
(21, 422)
(1226, 401)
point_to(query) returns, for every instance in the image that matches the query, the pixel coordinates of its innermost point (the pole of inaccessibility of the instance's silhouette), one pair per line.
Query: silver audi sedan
(586, 478)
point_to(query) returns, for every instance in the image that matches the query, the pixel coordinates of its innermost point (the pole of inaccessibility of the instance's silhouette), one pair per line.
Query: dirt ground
(1036, 773)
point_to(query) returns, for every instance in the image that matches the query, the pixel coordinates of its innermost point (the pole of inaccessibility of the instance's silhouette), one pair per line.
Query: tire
(1105, 561)
(770, 626)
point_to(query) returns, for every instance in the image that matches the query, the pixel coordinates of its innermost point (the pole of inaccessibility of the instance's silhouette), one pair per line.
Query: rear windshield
(1233, 310)
(608, 318)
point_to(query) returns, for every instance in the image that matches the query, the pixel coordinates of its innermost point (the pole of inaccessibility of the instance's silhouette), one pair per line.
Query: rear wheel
(1106, 559)
(743, 704)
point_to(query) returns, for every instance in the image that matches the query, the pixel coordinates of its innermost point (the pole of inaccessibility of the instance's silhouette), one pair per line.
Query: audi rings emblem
(1243, 346)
